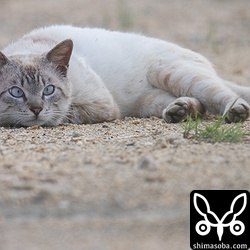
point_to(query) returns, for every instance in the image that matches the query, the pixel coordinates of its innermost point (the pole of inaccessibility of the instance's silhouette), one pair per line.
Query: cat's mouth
(40, 121)
(32, 120)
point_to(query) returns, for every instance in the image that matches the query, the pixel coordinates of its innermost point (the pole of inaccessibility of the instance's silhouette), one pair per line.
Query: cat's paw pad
(176, 111)
(238, 113)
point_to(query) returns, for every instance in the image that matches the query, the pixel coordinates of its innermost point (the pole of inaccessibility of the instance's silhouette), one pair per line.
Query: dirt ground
(124, 184)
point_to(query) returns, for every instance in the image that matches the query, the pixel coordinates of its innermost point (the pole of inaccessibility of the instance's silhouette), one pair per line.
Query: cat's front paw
(176, 111)
(238, 113)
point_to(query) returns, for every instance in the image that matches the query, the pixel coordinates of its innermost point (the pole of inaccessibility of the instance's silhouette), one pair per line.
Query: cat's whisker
(8, 119)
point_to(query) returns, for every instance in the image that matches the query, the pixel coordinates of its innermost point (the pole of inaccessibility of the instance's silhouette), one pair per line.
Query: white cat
(68, 74)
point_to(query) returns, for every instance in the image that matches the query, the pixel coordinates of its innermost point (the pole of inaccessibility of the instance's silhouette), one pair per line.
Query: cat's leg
(241, 91)
(162, 104)
(101, 110)
(91, 100)
(191, 75)
(179, 109)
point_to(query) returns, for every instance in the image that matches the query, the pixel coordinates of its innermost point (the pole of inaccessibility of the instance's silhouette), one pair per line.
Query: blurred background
(218, 29)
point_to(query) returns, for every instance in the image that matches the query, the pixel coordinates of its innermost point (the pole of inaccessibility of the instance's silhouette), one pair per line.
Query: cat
(63, 73)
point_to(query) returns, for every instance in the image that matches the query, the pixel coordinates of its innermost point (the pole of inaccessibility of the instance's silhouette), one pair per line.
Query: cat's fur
(69, 74)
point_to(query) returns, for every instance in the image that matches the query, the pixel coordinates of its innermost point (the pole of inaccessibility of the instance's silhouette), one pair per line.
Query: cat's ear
(3, 59)
(60, 55)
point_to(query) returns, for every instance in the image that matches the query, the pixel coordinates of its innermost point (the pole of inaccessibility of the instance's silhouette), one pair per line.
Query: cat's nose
(36, 110)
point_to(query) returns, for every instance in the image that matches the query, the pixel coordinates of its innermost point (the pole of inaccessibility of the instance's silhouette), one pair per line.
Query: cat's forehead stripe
(31, 75)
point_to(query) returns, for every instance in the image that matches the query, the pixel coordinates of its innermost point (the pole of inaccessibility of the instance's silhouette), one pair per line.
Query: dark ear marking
(3, 59)
(60, 55)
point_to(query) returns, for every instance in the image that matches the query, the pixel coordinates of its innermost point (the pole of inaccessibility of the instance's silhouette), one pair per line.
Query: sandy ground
(124, 184)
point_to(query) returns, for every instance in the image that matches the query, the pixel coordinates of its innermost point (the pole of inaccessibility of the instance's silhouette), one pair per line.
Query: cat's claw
(176, 112)
(239, 113)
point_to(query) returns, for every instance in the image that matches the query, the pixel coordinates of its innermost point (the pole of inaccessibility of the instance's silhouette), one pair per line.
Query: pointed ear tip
(2, 54)
(3, 58)
(69, 42)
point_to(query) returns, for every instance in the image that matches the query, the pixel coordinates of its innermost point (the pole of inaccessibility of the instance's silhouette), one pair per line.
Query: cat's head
(34, 89)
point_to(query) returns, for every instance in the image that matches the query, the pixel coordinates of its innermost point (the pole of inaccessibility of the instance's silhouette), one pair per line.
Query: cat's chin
(37, 123)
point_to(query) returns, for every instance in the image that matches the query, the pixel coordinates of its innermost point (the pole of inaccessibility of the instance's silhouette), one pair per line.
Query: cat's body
(110, 75)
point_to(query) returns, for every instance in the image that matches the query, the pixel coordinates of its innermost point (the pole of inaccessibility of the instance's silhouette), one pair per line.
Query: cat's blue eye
(49, 90)
(16, 92)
